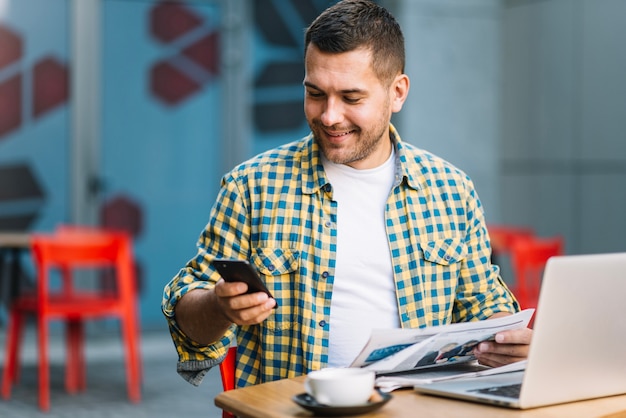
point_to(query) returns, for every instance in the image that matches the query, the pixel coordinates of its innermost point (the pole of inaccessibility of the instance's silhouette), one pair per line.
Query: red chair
(227, 372)
(68, 251)
(502, 237)
(75, 370)
(529, 258)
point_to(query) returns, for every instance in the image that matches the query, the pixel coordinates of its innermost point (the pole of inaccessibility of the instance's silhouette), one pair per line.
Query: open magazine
(393, 381)
(401, 350)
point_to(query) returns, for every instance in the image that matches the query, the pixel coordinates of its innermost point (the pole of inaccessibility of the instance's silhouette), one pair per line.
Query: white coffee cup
(340, 386)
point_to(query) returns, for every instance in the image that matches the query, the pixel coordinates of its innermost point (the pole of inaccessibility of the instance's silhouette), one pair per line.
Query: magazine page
(388, 383)
(403, 349)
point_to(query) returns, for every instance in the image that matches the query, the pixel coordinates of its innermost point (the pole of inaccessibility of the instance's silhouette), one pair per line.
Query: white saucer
(308, 402)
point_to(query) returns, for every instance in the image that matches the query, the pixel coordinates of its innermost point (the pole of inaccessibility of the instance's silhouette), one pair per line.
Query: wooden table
(11, 245)
(273, 400)
(14, 239)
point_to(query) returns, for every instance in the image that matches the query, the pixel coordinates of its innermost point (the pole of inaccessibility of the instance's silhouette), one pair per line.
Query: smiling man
(349, 108)
(350, 227)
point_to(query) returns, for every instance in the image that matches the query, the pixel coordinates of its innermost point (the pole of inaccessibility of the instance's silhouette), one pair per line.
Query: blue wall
(525, 96)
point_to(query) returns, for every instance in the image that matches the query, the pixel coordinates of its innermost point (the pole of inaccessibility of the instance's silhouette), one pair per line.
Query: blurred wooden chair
(227, 372)
(529, 258)
(67, 251)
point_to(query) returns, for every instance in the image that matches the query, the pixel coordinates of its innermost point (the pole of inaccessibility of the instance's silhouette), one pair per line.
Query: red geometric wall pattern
(20, 188)
(49, 82)
(50, 85)
(204, 52)
(10, 47)
(170, 84)
(10, 104)
(11, 88)
(169, 21)
(123, 213)
(177, 78)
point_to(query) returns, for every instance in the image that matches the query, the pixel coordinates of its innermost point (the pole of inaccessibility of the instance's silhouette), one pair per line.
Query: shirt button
(325, 274)
(447, 257)
(327, 224)
(322, 323)
(271, 267)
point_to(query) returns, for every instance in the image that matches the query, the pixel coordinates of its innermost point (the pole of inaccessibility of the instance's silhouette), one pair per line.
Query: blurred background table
(12, 245)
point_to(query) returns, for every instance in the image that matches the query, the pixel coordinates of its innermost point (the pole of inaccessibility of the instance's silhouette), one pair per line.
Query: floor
(164, 393)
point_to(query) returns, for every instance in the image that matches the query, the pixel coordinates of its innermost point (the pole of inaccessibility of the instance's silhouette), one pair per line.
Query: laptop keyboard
(508, 391)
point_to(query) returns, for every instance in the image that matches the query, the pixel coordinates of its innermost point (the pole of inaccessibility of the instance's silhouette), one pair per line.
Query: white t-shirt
(364, 294)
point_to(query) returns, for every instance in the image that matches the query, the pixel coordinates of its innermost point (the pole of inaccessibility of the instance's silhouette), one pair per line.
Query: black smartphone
(233, 270)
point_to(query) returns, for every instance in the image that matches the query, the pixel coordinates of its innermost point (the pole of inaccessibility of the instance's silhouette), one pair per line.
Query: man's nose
(332, 113)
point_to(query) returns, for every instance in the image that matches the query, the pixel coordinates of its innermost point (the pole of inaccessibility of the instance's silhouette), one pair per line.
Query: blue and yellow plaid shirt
(277, 211)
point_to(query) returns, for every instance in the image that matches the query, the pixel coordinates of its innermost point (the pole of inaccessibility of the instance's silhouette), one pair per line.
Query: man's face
(348, 108)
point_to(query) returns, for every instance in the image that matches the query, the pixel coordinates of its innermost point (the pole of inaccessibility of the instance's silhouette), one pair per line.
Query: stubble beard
(365, 145)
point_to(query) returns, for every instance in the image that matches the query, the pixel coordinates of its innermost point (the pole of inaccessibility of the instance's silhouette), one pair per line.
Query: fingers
(497, 354)
(253, 315)
(241, 308)
(497, 360)
(509, 347)
(515, 336)
(225, 289)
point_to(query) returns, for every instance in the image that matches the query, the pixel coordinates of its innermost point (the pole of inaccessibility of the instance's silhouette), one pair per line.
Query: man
(351, 228)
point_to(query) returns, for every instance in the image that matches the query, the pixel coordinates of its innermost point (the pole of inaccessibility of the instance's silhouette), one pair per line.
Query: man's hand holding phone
(242, 295)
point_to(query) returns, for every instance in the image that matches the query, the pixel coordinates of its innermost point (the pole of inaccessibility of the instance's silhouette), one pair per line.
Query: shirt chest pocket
(445, 251)
(278, 268)
(275, 262)
(441, 267)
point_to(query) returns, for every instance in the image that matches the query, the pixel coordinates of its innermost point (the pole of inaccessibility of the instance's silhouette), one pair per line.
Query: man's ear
(399, 91)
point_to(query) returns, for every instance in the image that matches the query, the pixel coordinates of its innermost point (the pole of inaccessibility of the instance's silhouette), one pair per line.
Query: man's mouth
(338, 136)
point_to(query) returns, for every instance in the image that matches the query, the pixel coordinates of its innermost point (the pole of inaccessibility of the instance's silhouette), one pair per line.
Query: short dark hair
(353, 24)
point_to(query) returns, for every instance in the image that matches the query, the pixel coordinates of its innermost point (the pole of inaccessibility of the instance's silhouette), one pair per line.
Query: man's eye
(314, 94)
(351, 100)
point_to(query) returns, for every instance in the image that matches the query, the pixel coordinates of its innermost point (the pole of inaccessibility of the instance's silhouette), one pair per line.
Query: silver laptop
(578, 348)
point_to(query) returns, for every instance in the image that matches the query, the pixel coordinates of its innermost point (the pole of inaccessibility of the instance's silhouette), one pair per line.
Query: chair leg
(80, 355)
(70, 374)
(11, 362)
(44, 366)
(21, 326)
(130, 335)
(227, 372)
(75, 357)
